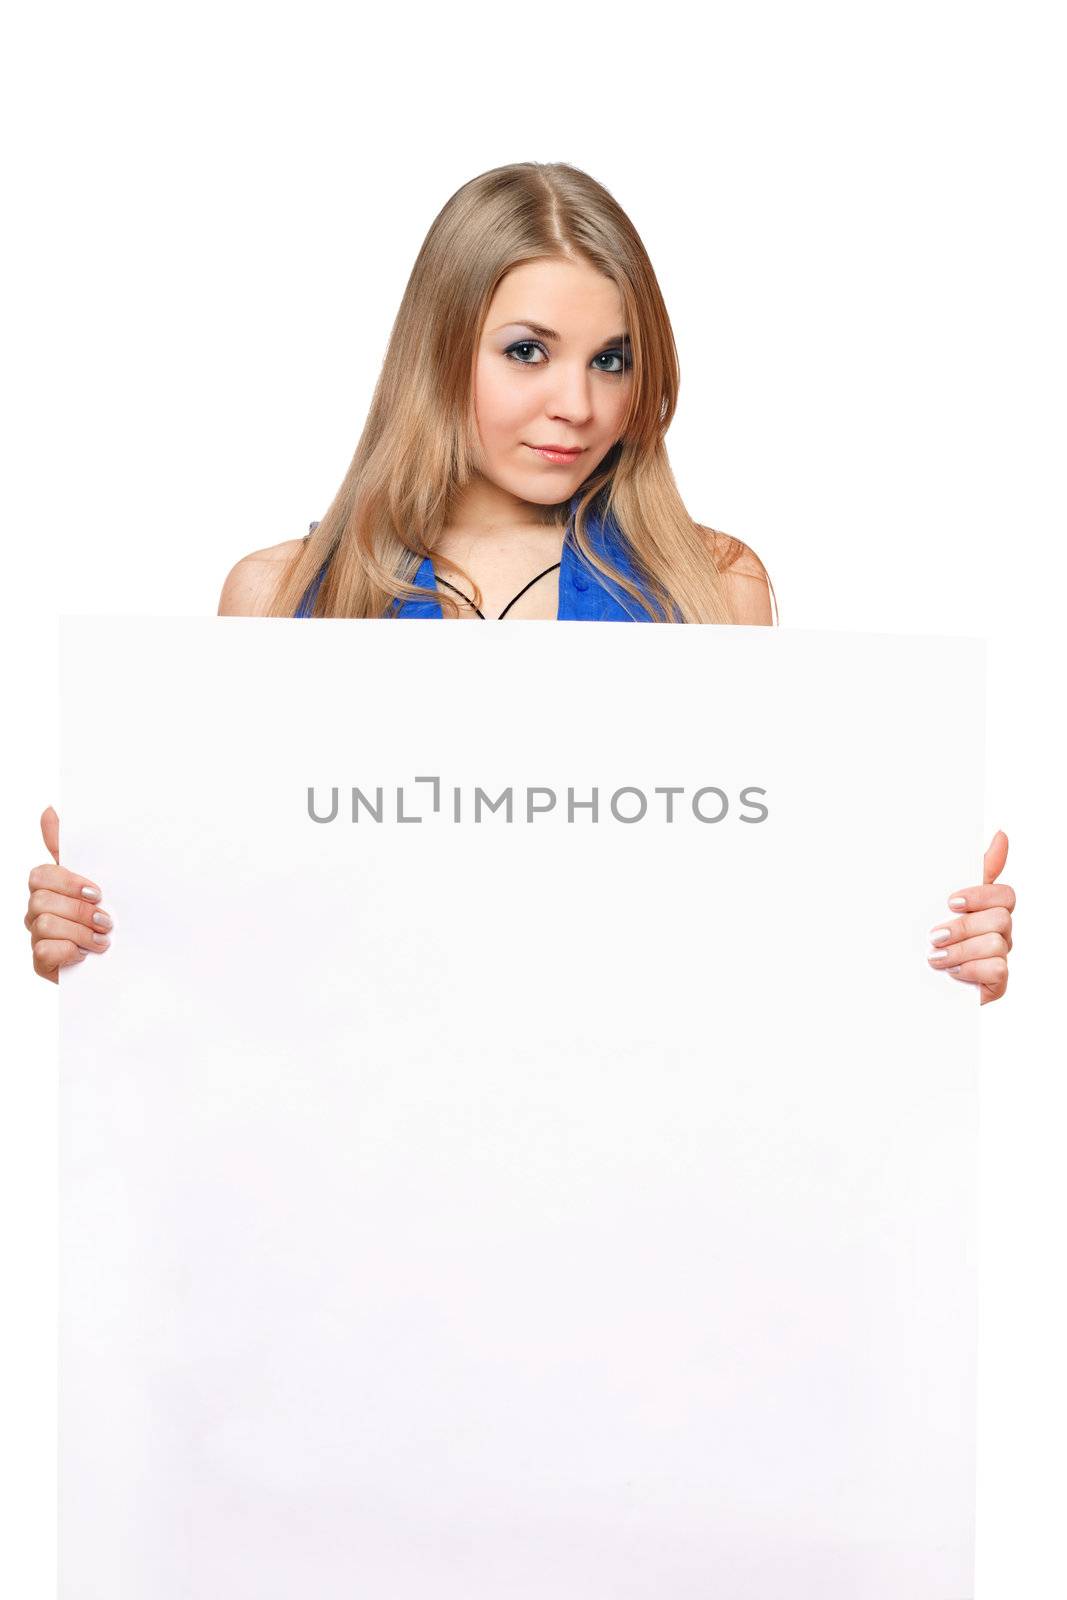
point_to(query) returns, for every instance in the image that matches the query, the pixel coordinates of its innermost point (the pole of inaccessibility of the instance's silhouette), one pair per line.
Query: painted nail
(101, 939)
(957, 900)
(952, 971)
(102, 919)
(90, 894)
(938, 955)
(939, 935)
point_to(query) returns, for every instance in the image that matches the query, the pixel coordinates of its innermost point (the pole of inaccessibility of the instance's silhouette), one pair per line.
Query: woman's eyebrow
(550, 333)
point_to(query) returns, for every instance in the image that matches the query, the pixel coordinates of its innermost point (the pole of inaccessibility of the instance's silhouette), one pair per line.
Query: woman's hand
(64, 917)
(977, 944)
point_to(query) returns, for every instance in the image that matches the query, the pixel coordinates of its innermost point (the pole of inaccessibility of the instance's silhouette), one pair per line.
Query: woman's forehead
(560, 300)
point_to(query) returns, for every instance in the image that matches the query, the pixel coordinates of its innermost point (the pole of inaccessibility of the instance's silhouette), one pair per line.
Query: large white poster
(515, 1145)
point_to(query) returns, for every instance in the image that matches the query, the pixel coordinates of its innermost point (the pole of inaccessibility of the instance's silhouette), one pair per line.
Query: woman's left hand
(974, 948)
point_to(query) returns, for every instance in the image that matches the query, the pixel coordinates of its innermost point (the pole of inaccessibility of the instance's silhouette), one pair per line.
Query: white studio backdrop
(854, 216)
(555, 1203)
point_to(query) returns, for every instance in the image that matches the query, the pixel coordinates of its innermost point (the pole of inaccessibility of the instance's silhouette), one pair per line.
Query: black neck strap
(511, 602)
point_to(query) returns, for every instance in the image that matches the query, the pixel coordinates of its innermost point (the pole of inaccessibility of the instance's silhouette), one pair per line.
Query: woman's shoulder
(745, 578)
(251, 584)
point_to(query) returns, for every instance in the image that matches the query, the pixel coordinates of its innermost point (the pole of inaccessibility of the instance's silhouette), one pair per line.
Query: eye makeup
(621, 354)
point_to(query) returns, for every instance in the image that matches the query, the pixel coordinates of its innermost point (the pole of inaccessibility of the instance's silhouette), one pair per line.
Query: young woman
(513, 466)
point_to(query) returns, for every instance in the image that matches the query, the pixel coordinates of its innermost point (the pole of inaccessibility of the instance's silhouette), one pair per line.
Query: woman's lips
(562, 457)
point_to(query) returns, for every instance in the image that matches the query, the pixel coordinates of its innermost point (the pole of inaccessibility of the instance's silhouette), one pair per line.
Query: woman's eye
(526, 344)
(619, 356)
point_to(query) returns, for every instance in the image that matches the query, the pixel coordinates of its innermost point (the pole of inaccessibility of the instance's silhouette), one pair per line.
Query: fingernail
(90, 894)
(938, 935)
(101, 939)
(952, 971)
(957, 900)
(938, 955)
(102, 919)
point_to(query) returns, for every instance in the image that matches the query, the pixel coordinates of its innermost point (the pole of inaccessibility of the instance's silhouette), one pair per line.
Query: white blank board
(557, 1208)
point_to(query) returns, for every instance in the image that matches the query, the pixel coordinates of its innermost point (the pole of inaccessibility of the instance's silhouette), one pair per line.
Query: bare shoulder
(250, 585)
(745, 578)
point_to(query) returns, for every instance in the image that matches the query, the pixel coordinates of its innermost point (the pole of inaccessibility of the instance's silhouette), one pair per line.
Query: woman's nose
(572, 396)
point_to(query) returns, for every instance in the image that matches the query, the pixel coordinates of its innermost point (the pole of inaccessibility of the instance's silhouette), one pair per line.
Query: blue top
(584, 595)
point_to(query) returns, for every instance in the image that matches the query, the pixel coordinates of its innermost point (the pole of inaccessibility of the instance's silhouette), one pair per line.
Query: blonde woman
(513, 467)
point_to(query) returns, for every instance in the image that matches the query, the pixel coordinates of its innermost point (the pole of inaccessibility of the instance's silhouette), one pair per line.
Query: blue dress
(584, 595)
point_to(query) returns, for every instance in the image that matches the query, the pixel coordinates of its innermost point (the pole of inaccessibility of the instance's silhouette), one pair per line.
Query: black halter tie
(511, 602)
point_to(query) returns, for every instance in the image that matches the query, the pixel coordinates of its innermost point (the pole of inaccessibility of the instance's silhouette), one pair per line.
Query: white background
(855, 215)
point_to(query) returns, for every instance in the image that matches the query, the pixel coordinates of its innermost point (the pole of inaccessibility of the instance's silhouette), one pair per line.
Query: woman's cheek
(507, 425)
(494, 407)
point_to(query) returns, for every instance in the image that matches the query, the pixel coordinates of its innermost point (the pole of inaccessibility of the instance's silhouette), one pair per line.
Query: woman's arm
(744, 579)
(250, 586)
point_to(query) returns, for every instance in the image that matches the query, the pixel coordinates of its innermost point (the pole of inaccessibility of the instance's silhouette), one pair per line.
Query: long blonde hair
(418, 446)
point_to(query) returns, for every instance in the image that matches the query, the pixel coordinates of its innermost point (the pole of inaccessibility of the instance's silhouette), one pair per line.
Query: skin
(533, 389)
(528, 389)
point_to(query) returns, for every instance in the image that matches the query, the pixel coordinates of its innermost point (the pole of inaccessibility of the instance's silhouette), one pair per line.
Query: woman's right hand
(65, 918)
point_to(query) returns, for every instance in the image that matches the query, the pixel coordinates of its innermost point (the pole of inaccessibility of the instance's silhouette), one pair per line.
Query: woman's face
(562, 378)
